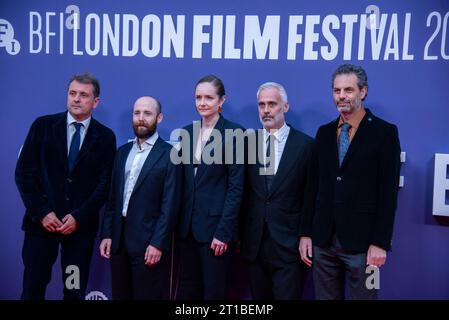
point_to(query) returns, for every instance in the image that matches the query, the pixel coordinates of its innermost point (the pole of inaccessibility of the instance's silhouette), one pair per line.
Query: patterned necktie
(74, 145)
(343, 141)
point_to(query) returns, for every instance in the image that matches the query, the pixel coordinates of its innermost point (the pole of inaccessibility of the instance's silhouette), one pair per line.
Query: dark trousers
(272, 278)
(40, 252)
(132, 279)
(330, 267)
(202, 274)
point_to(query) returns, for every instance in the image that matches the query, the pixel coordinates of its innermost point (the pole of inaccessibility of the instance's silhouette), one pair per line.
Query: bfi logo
(7, 38)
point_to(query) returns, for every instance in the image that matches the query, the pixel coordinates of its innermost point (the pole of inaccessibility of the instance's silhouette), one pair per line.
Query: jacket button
(338, 178)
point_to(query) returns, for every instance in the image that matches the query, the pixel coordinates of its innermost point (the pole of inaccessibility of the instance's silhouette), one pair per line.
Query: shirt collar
(278, 134)
(71, 120)
(148, 143)
(354, 122)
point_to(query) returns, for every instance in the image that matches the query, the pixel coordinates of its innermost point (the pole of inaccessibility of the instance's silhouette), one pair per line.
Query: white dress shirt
(71, 130)
(280, 138)
(134, 163)
(204, 136)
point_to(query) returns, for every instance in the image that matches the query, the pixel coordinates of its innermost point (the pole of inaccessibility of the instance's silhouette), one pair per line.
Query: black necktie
(74, 145)
(268, 165)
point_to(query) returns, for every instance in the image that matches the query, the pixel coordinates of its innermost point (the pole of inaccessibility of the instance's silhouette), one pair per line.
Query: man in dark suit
(63, 176)
(273, 201)
(142, 209)
(352, 201)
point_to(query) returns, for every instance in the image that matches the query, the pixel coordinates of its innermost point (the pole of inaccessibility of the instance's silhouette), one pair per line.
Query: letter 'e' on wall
(441, 185)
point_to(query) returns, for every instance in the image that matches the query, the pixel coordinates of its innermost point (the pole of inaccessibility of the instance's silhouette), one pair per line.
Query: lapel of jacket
(60, 138)
(155, 153)
(202, 167)
(257, 169)
(189, 149)
(330, 143)
(287, 160)
(121, 167)
(89, 140)
(359, 137)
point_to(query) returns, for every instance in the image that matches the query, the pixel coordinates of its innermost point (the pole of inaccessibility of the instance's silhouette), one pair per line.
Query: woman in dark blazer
(211, 199)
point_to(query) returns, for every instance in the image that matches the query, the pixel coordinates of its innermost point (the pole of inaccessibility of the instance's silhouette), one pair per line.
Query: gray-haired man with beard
(142, 209)
(347, 225)
(274, 201)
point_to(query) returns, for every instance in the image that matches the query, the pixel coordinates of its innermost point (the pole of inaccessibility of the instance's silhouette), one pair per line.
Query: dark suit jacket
(357, 200)
(154, 202)
(282, 206)
(45, 183)
(211, 200)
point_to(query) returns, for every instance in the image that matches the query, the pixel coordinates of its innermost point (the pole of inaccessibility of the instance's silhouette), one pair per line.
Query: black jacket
(357, 200)
(211, 198)
(282, 206)
(46, 185)
(154, 203)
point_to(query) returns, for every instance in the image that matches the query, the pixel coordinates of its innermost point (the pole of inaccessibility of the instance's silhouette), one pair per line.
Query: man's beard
(144, 131)
(341, 109)
(349, 107)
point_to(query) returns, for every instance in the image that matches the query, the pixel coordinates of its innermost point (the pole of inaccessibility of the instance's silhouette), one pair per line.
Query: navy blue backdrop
(162, 48)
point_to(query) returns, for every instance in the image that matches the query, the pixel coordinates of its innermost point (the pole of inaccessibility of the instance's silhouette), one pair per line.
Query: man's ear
(363, 92)
(160, 117)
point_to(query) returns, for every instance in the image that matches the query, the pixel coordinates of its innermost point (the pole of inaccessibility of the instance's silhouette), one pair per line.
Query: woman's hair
(216, 82)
